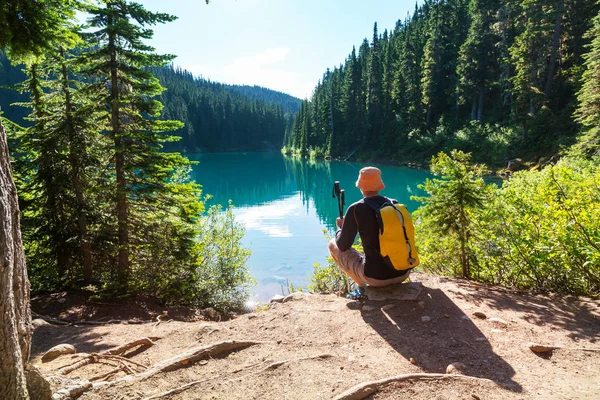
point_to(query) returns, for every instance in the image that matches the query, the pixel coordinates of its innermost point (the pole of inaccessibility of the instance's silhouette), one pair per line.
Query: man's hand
(339, 222)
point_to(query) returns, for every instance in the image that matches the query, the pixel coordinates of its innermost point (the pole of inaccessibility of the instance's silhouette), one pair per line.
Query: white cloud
(265, 69)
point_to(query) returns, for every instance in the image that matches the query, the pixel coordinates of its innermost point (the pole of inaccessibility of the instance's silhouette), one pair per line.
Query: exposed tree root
(182, 388)
(50, 320)
(278, 364)
(73, 392)
(184, 359)
(201, 381)
(106, 374)
(366, 389)
(95, 357)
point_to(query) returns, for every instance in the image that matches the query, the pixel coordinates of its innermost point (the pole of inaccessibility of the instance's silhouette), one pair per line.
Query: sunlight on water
(284, 205)
(295, 242)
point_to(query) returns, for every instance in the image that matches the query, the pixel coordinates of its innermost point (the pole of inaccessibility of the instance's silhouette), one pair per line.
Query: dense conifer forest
(499, 79)
(216, 117)
(220, 117)
(106, 198)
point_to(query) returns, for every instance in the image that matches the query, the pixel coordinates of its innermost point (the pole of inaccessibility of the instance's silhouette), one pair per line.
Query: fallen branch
(366, 389)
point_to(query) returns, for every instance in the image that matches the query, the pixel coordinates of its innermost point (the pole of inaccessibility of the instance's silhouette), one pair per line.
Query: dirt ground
(319, 346)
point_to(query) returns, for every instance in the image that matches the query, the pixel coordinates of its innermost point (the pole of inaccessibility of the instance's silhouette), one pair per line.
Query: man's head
(369, 181)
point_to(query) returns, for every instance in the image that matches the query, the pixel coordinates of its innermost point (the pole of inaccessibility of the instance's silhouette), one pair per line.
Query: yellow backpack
(396, 234)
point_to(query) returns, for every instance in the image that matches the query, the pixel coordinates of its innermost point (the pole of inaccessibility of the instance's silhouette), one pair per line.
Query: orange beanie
(369, 180)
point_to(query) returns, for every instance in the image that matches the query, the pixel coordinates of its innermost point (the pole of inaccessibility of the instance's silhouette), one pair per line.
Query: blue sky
(285, 45)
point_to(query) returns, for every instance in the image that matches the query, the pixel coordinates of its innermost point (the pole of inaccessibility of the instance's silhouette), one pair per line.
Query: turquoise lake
(285, 204)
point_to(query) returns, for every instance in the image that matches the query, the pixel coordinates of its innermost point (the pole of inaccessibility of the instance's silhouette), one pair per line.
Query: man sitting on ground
(370, 268)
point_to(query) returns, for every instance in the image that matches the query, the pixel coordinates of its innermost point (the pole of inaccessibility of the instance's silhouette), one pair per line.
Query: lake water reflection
(285, 204)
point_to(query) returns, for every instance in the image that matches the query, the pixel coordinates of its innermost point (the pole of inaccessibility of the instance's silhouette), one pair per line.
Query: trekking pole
(341, 197)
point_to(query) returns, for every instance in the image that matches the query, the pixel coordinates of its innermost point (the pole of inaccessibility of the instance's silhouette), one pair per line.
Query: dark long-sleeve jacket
(361, 219)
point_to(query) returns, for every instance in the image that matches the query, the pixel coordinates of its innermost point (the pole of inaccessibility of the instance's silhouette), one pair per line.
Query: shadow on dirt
(47, 336)
(579, 317)
(449, 337)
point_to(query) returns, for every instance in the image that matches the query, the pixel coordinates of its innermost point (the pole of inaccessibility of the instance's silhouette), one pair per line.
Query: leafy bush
(542, 230)
(538, 231)
(222, 277)
(492, 143)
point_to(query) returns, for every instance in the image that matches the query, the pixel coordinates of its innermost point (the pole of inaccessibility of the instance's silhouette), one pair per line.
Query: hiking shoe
(358, 294)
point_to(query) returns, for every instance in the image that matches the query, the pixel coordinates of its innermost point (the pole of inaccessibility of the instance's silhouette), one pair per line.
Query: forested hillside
(216, 117)
(289, 103)
(220, 117)
(496, 78)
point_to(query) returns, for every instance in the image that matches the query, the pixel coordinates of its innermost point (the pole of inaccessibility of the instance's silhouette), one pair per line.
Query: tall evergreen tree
(588, 112)
(476, 58)
(374, 88)
(119, 66)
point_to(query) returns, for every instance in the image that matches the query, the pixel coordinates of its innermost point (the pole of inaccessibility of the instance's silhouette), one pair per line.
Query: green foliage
(452, 203)
(513, 66)
(488, 143)
(541, 230)
(29, 28)
(538, 231)
(223, 280)
(328, 279)
(103, 205)
(588, 112)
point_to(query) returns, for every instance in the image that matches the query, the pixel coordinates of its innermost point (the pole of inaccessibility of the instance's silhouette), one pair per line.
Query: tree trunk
(122, 205)
(480, 105)
(555, 43)
(15, 316)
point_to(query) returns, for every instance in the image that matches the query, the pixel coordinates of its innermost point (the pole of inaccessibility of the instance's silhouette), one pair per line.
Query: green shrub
(539, 231)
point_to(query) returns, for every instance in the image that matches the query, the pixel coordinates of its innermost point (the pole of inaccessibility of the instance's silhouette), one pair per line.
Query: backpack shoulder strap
(376, 207)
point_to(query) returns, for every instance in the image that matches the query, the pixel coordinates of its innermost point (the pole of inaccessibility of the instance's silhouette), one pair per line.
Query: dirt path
(319, 346)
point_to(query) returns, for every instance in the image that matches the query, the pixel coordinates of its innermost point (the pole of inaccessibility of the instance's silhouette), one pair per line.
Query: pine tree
(374, 88)
(588, 112)
(476, 58)
(119, 66)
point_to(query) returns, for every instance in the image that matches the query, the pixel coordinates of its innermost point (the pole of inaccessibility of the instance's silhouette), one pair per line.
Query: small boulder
(277, 299)
(62, 300)
(456, 368)
(421, 304)
(479, 315)
(425, 318)
(57, 351)
(38, 322)
(540, 348)
(499, 322)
